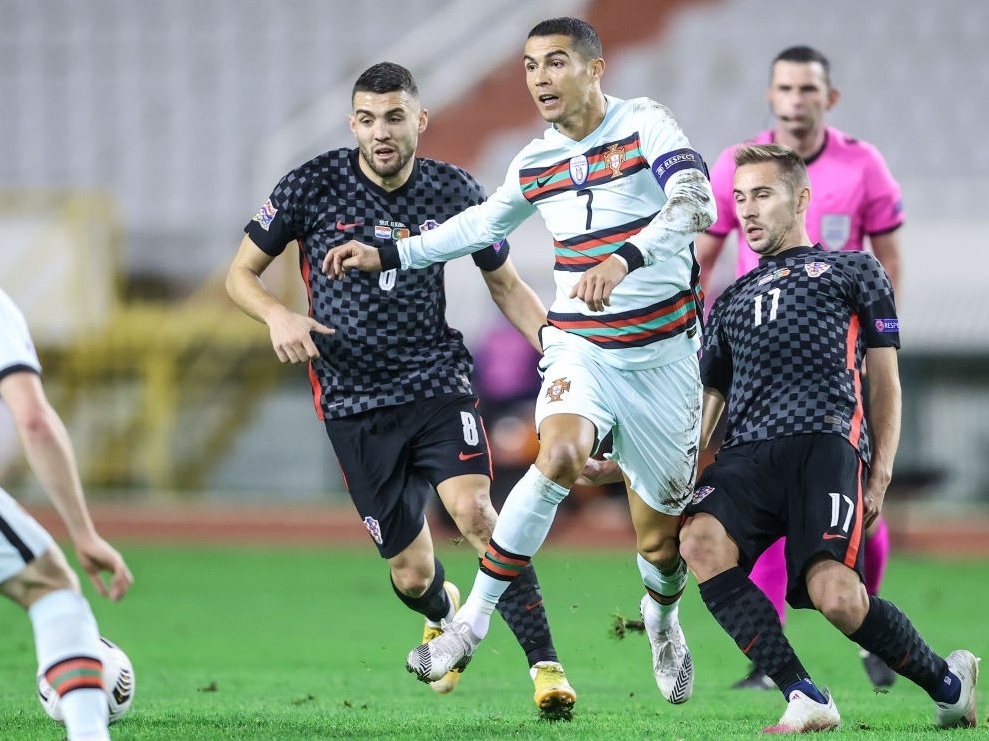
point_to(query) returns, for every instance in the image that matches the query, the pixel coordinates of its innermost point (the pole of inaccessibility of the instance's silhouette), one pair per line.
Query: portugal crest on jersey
(578, 169)
(614, 156)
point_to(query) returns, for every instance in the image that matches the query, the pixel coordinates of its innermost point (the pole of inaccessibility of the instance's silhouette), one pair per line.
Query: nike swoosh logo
(834, 536)
(534, 605)
(540, 182)
(468, 456)
(341, 226)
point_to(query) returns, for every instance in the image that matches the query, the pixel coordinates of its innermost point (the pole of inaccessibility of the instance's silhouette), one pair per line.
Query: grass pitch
(234, 643)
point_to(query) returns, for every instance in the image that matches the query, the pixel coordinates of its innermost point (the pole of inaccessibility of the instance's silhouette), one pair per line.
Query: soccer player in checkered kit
(784, 348)
(623, 194)
(857, 204)
(390, 377)
(33, 570)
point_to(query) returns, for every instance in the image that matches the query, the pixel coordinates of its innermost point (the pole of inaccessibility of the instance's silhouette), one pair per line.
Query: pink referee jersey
(853, 194)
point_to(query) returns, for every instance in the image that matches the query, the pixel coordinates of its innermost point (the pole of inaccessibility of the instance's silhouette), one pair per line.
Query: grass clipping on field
(622, 625)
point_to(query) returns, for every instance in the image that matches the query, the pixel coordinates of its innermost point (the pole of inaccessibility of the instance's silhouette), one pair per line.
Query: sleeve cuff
(389, 257)
(631, 255)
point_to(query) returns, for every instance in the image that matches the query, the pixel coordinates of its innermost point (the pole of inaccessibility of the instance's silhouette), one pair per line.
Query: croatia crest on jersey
(578, 169)
(835, 231)
(816, 269)
(428, 224)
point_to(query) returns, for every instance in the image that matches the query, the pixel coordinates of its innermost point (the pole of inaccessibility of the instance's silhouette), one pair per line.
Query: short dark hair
(791, 164)
(385, 77)
(585, 38)
(803, 55)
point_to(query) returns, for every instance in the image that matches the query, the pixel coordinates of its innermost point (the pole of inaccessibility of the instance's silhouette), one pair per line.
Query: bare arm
(886, 248)
(52, 458)
(884, 425)
(290, 331)
(707, 248)
(713, 406)
(517, 301)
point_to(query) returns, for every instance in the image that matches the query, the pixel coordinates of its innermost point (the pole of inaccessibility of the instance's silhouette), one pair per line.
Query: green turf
(311, 644)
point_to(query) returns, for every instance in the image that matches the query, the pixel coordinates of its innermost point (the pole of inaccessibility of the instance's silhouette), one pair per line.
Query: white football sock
(662, 617)
(64, 627)
(523, 524)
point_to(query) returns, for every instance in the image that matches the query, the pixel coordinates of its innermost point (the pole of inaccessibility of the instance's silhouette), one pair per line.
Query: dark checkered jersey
(392, 343)
(785, 343)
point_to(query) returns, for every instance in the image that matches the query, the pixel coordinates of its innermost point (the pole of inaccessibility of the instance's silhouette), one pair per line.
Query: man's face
(766, 207)
(560, 81)
(799, 95)
(387, 127)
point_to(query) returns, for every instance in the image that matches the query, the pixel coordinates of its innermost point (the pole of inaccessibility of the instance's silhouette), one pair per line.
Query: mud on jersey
(784, 344)
(392, 343)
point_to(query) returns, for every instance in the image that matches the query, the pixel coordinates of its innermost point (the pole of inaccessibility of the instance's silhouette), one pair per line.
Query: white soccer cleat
(804, 715)
(962, 714)
(449, 652)
(671, 662)
(448, 682)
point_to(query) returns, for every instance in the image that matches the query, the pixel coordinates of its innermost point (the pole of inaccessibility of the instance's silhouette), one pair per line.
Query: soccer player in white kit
(33, 570)
(623, 195)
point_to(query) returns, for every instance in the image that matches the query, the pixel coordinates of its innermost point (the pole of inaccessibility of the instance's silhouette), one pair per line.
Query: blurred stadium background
(138, 138)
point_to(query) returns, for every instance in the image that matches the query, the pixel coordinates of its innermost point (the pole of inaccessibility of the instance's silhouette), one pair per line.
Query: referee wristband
(389, 257)
(631, 255)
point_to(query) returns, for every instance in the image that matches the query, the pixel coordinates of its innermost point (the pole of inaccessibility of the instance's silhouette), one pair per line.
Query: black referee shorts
(393, 458)
(808, 488)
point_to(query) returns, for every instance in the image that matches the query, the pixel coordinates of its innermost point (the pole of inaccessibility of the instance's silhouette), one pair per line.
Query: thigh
(825, 510)
(658, 431)
(374, 452)
(743, 493)
(574, 384)
(447, 439)
(22, 539)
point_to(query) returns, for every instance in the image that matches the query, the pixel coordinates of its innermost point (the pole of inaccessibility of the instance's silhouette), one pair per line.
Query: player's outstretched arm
(352, 254)
(51, 456)
(290, 332)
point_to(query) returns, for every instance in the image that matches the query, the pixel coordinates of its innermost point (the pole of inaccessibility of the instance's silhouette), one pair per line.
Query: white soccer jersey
(633, 181)
(16, 348)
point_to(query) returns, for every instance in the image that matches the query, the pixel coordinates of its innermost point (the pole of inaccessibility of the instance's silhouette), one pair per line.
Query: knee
(561, 461)
(659, 549)
(411, 583)
(412, 577)
(841, 600)
(843, 609)
(706, 549)
(47, 573)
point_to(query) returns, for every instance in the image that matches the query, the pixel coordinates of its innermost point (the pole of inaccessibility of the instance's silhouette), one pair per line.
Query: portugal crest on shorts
(557, 389)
